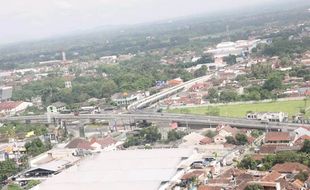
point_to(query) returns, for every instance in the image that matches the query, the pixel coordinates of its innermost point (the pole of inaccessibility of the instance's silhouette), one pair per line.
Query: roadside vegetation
(240, 110)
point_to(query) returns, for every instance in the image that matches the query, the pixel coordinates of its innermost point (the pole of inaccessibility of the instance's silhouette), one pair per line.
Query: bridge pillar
(81, 130)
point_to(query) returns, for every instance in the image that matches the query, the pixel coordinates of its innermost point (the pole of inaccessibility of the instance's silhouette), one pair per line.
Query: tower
(64, 56)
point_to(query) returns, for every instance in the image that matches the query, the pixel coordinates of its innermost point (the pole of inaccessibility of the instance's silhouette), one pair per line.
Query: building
(68, 84)
(268, 116)
(12, 108)
(5, 93)
(104, 144)
(109, 59)
(226, 130)
(174, 82)
(278, 138)
(290, 168)
(56, 107)
(124, 99)
(127, 169)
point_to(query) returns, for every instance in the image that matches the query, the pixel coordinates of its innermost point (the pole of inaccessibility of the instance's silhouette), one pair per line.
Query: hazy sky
(29, 19)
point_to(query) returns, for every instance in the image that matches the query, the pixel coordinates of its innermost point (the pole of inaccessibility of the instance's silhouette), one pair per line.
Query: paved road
(145, 102)
(168, 117)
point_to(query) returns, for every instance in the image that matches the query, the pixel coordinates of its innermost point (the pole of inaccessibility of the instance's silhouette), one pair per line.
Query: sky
(34, 19)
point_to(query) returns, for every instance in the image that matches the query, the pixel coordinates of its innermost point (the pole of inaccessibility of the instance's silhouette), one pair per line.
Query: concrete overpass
(145, 102)
(153, 117)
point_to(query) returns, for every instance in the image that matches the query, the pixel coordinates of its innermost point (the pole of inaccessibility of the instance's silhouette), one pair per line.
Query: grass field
(240, 110)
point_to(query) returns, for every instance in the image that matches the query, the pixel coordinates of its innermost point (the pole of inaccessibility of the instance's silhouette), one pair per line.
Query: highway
(168, 117)
(145, 102)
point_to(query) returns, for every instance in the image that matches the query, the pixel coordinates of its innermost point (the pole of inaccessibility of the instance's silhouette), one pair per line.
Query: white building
(268, 116)
(109, 59)
(126, 98)
(233, 48)
(127, 169)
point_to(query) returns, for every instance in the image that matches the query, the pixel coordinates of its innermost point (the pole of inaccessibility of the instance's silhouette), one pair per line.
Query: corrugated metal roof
(118, 170)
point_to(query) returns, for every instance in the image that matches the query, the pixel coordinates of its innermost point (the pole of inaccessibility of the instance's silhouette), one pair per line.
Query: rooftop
(277, 136)
(290, 167)
(118, 170)
(9, 105)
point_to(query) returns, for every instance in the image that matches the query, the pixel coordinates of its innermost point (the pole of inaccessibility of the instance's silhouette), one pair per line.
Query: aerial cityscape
(155, 95)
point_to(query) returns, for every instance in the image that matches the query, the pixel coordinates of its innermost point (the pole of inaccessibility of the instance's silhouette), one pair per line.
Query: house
(174, 82)
(278, 138)
(205, 141)
(219, 139)
(198, 174)
(105, 144)
(79, 143)
(300, 141)
(301, 131)
(272, 176)
(12, 108)
(226, 130)
(290, 168)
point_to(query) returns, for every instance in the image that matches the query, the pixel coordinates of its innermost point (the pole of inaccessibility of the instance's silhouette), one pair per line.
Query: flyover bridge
(167, 117)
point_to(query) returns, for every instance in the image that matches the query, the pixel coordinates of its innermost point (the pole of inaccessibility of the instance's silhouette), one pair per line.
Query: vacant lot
(240, 110)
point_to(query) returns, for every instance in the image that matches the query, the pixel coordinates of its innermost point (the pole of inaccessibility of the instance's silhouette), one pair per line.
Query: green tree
(174, 135)
(228, 96)
(230, 140)
(213, 94)
(210, 134)
(306, 147)
(36, 147)
(7, 169)
(273, 82)
(201, 71)
(254, 187)
(230, 60)
(256, 133)
(241, 139)
(247, 163)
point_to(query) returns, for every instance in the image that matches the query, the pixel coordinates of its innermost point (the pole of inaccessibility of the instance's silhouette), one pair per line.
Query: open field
(239, 110)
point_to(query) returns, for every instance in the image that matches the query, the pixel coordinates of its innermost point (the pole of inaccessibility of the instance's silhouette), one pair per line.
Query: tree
(201, 71)
(150, 134)
(247, 163)
(302, 176)
(230, 140)
(230, 60)
(241, 139)
(210, 134)
(7, 169)
(273, 82)
(213, 94)
(174, 135)
(256, 133)
(254, 187)
(36, 147)
(306, 147)
(228, 96)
